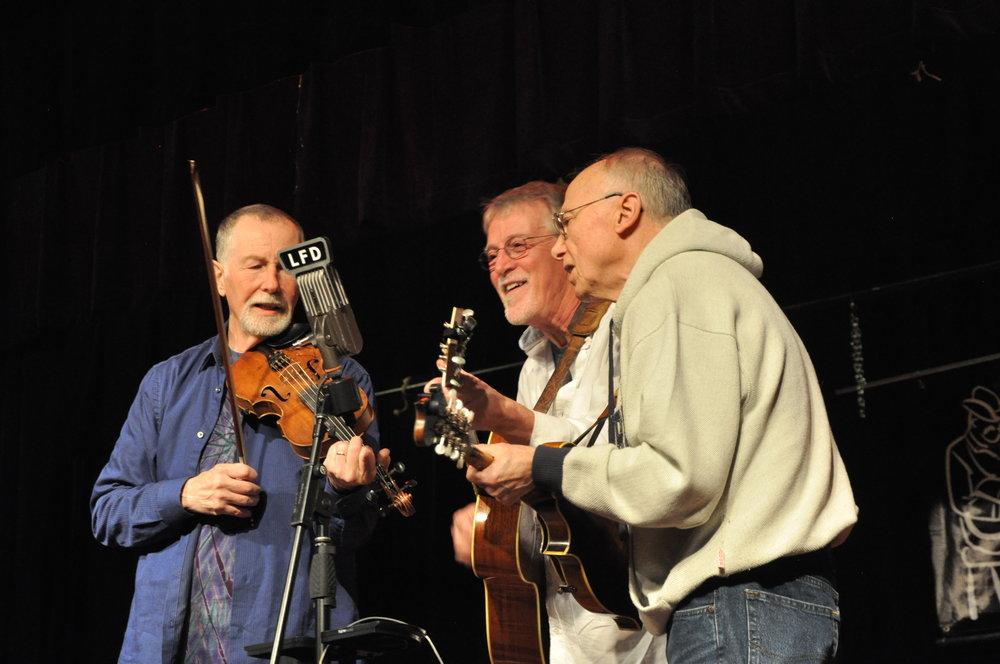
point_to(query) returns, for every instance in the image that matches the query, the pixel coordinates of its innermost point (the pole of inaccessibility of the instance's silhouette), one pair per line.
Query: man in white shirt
(535, 291)
(728, 474)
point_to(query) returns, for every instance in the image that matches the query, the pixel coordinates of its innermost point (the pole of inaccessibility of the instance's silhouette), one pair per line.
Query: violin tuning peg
(398, 468)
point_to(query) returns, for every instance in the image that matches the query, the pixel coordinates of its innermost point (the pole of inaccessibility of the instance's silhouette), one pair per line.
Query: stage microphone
(335, 332)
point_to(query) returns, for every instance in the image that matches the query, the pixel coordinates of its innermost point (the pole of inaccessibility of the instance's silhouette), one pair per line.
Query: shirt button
(201, 434)
(218, 389)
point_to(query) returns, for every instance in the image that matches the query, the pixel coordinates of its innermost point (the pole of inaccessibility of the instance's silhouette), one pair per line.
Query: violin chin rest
(293, 333)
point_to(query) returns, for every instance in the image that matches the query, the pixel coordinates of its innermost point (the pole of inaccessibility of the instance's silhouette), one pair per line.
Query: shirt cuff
(550, 429)
(168, 501)
(547, 467)
(348, 503)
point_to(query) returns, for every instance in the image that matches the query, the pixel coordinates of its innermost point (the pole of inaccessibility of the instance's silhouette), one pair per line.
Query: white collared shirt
(576, 635)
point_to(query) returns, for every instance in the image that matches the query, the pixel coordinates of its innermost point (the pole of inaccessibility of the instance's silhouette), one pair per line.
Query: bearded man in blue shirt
(205, 587)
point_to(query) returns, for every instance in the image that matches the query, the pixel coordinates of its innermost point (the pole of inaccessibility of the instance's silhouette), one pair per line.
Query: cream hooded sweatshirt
(729, 461)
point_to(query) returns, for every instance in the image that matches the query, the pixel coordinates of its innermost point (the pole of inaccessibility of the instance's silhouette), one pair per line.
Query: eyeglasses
(562, 219)
(514, 248)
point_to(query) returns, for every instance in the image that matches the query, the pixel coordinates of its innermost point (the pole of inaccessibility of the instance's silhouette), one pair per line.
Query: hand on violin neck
(228, 489)
(351, 464)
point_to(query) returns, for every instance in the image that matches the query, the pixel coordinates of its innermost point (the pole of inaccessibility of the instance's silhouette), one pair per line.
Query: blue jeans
(757, 619)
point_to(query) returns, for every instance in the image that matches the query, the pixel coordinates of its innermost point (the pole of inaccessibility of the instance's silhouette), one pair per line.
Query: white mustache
(269, 299)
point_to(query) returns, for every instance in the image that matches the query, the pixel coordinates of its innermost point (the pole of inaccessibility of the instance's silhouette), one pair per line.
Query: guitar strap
(585, 320)
(616, 435)
(614, 428)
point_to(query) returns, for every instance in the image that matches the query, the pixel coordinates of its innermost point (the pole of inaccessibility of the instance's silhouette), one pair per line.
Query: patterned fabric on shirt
(211, 600)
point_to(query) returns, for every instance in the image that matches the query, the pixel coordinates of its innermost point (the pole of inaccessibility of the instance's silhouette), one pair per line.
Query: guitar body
(516, 622)
(576, 541)
(504, 552)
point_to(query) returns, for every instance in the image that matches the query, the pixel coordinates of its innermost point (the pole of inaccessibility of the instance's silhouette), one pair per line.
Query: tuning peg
(397, 468)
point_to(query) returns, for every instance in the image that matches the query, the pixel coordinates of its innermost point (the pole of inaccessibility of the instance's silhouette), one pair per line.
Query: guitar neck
(477, 458)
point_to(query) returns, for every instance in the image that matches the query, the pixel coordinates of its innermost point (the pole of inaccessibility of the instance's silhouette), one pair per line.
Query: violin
(283, 383)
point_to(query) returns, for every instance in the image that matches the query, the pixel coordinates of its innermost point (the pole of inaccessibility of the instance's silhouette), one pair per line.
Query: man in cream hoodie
(725, 470)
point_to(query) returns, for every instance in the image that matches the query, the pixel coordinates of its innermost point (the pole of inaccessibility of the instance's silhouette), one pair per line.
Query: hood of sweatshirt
(689, 231)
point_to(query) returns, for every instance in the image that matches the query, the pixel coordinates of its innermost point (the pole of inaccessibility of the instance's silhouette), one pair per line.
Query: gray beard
(263, 326)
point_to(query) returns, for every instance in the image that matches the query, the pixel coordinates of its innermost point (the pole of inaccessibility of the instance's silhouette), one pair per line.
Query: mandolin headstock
(443, 422)
(454, 340)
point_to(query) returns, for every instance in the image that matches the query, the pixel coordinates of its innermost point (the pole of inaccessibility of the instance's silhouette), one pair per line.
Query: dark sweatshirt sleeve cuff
(547, 467)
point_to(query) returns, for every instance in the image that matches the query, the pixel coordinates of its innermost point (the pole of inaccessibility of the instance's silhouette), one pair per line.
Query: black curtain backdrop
(854, 144)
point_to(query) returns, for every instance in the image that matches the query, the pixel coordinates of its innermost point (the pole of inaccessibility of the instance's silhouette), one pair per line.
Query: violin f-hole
(312, 361)
(268, 389)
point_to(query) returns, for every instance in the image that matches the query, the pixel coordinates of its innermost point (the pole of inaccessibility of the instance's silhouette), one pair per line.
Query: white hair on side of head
(550, 193)
(660, 184)
(262, 211)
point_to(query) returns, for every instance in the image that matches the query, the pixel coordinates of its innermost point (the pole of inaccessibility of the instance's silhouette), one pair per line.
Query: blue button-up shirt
(136, 504)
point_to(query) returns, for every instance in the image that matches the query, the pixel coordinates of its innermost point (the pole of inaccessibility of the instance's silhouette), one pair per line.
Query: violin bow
(213, 287)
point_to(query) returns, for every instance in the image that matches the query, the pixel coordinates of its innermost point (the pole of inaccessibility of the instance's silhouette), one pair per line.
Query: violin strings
(295, 375)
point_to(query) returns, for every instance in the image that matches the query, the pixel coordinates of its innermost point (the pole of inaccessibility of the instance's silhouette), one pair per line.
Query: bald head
(612, 210)
(660, 185)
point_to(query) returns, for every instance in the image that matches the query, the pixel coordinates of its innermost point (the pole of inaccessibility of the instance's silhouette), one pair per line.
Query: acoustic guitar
(516, 623)
(573, 539)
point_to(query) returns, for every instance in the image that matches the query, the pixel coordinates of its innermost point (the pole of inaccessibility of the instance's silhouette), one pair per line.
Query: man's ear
(629, 211)
(218, 278)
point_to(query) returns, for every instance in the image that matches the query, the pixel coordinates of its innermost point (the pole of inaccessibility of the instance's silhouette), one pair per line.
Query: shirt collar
(530, 338)
(211, 355)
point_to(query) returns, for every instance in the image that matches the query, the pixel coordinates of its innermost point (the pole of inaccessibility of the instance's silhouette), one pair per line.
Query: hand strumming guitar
(508, 477)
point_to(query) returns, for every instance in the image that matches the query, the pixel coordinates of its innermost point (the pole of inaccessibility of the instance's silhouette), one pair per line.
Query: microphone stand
(314, 506)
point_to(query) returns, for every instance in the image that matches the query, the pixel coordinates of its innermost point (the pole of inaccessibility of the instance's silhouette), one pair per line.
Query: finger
(353, 451)
(345, 469)
(366, 465)
(238, 499)
(242, 488)
(239, 471)
(336, 450)
(431, 383)
(355, 443)
(239, 512)
(222, 507)
(384, 457)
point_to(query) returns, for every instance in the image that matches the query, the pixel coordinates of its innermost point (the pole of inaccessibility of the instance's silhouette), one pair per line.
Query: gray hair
(550, 193)
(660, 184)
(262, 211)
